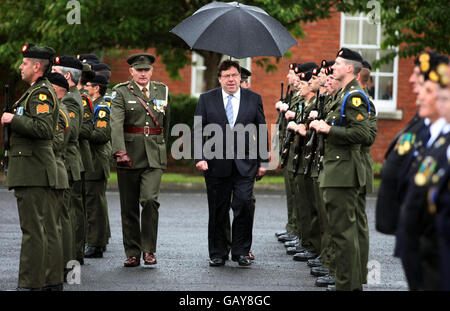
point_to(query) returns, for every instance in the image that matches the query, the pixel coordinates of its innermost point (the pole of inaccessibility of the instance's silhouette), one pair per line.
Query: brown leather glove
(122, 159)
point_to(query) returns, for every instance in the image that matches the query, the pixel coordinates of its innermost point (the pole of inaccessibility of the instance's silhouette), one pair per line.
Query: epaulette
(121, 84)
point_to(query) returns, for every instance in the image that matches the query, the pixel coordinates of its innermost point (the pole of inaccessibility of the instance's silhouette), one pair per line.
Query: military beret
(308, 66)
(433, 66)
(88, 58)
(68, 61)
(294, 67)
(141, 60)
(100, 66)
(350, 55)
(58, 79)
(366, 65)
(315, 71)
(99, 79)
(245, 73)
(326, 63)
(329, 71)
(305, 76)
(33, 51)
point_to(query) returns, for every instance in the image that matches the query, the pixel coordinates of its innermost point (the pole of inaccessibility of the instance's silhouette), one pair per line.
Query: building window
(198, 83)
(357, 33)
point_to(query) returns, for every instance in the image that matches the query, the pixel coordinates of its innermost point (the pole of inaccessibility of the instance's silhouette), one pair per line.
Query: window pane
(351, 32)
(369, 55)
(200, 82)
(369, 35)
(389, 67)
(385, 88)
(200, 61)
(371, 86)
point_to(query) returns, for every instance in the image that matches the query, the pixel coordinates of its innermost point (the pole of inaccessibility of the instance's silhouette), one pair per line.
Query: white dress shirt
(435, 130)
(235, 101)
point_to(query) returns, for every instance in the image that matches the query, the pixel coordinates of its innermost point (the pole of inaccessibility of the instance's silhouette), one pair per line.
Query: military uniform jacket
(31, 157)
(342, 164)
(100, 141)
(86, 128)
(144, 150)
(60, 141)
(365, 148)
(74, 164)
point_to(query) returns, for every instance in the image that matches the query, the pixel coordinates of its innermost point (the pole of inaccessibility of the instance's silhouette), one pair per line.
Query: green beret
(350, 55)
(41, 52)
(141, 60)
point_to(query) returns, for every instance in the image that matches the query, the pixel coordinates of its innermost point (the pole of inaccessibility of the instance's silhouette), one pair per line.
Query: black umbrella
(235, 29)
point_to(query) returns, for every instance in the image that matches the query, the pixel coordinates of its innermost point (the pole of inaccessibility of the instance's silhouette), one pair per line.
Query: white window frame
(387, 106)
(196, 68)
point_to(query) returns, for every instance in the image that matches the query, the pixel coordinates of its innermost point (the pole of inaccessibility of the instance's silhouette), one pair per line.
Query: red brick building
(392, 92)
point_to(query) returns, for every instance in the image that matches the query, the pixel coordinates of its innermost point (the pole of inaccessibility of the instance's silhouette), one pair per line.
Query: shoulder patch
(102, 114)
(113, 94)
(42, 97)
(359, 117)
(356, 101)
(42, 109)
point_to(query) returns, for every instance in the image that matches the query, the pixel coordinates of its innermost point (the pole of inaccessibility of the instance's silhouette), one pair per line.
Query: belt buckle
(146, 130)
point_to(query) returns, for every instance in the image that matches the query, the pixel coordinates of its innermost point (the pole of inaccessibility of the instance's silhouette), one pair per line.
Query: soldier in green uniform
(140, 113)
(71, 69)
(100, 145)
(289, 234)
(363, 228)
(32, 128)
(346, 127)
(60, 143)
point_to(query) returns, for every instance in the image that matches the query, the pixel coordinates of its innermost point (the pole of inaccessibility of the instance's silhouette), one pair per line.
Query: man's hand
(122, 159)
(284, 107)
(313, 114)
(301, 129)
(7, 118)
(320, 126)
(261, 172)
(289, 115)
(292, 126)
(202, 165)
(278, 105)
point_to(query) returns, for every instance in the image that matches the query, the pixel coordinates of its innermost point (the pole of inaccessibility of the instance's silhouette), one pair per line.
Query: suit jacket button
(337, 157)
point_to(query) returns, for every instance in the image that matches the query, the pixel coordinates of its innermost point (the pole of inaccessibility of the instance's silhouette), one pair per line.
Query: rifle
(300, 143)
(320, 143)
(289, 136)
(6, 132)
(311, 138)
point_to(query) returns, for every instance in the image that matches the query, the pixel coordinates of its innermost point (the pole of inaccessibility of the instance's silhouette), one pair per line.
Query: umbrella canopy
(235, 29)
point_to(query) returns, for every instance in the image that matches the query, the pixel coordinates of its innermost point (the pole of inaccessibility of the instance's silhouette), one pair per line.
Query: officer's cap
(41, 52)
(141, 61)
(88, 58)
(366, 65)
(245, 73)
(305, 76)
(99, 79)
(58, 79)
(68, 61)
(100, 67)
(350, 55)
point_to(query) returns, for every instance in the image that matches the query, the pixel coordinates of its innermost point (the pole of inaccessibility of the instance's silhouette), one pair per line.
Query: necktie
(229, 110)
(144, 91)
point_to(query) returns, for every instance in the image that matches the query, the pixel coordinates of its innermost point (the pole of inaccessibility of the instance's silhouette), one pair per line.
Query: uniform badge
(426, 169)
(359, 117)
(101, 114)
(84, 102)
(42, 97)
(71, 114)
(113, 94)
(356, 101)
(42, 109)
(101, 124)
(19, 111)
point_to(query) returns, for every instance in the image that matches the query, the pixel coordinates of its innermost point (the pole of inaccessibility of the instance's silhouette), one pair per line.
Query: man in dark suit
(230, 160)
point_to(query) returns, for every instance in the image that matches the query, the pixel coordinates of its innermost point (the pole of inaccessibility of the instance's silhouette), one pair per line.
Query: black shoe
(280, 233)
(94, 252)
(319, 271)
(315, 262)
(216, 262)
(242, 260)
(331, 288)
(304, 256)
(324, 281)
(54, 288)
(292, 243)
(287, 237)
(295, 250)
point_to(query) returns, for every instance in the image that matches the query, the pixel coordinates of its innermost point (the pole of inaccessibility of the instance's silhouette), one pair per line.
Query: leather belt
(147, 130)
